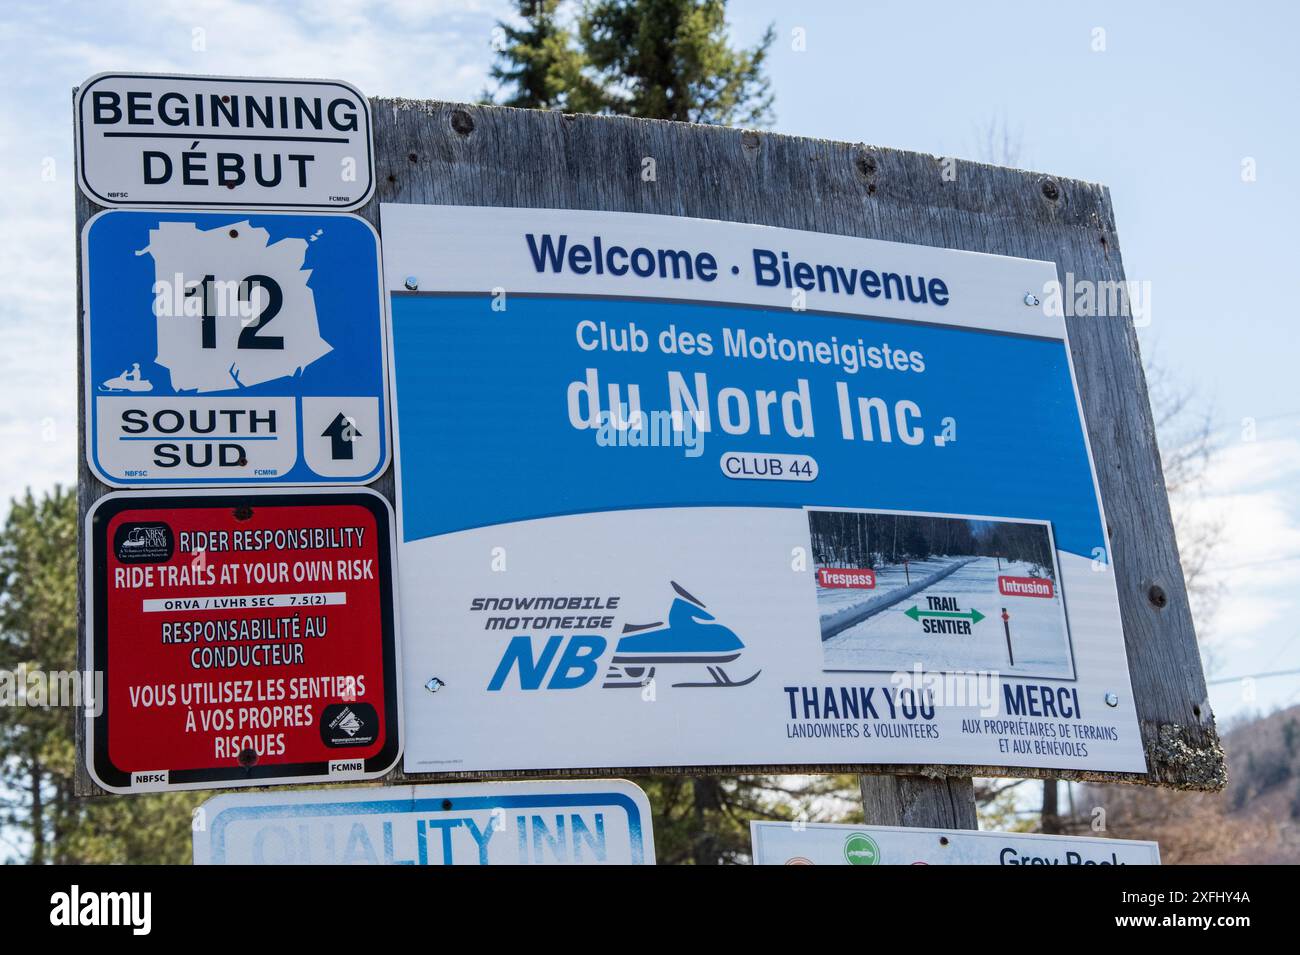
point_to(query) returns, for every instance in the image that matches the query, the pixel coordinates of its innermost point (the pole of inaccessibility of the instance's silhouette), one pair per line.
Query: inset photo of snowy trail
(897, 590)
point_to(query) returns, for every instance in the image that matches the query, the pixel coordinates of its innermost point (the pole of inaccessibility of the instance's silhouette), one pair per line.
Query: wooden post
(918, 802)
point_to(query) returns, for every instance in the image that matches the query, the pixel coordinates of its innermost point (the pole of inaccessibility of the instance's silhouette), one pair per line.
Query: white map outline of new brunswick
(231, 253)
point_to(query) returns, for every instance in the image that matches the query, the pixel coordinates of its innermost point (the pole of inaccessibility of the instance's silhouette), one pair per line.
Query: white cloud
(1250, 493)
(1246, 464)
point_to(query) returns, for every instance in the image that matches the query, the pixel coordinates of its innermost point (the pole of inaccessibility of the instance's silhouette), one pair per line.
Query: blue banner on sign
(531, 411)
(234, 348)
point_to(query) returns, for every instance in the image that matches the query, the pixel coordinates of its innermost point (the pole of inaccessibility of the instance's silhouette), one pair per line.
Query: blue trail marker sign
(233, 348)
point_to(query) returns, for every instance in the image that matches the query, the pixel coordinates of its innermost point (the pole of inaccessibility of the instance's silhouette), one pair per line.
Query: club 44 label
(244, 639)
(233, 348)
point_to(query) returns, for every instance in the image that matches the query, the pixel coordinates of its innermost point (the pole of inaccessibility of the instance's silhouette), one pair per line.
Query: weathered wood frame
(432, 152)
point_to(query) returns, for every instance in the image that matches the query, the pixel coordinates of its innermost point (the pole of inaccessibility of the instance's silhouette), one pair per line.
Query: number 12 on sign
(234, 348)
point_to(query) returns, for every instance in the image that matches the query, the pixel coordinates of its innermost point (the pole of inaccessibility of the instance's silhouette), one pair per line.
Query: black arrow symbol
(341, 432)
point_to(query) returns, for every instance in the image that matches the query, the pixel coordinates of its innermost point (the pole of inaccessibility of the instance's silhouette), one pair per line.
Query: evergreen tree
(43, 821)
(671, 59)
(705, 820)
(655, 59)
(38, 633)
(538, 66)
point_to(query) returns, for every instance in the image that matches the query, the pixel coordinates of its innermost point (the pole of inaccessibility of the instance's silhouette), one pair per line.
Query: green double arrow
(915, 613)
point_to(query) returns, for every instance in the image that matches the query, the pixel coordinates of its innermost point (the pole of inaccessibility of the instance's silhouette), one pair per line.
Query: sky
(1187, 114)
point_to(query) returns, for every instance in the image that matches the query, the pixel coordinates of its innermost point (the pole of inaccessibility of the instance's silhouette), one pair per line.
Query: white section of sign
(247, 436)
(748, 587)
(587, 822)
(211, 142)
(340, 436)
(797, 843)
(151, 781)
(759, 466)
(491, 252)
(271, 299)
(200, 602)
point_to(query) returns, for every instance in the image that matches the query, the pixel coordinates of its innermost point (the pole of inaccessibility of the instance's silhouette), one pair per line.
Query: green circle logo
(861, 849)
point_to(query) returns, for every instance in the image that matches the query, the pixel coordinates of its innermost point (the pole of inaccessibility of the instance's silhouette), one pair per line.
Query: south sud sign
(233, 348)
(245, 639)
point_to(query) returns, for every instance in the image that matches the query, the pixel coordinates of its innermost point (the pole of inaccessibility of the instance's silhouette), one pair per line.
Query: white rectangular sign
(216, 142)
(589, 822)
(695, 493)
(795, 843)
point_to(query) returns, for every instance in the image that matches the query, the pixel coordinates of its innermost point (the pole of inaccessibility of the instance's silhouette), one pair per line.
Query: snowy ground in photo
(890, 640)
(831, 600)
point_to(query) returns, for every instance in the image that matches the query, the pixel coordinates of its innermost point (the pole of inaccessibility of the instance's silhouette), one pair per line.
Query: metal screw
(1112, 699)
(1031, 299)
(412, 283)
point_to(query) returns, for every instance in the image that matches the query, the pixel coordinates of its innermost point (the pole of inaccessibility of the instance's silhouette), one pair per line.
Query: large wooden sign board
(438, 154)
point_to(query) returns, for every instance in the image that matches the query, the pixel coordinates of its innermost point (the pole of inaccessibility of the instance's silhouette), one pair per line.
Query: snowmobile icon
(691, 636)
(129, 380)
(135, 539)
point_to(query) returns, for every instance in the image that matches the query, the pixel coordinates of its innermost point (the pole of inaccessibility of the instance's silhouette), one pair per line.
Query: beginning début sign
(244, 639)
(220, 142)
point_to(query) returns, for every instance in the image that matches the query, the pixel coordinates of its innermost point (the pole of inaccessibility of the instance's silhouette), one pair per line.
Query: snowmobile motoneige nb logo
(691, 638)
(143, 542)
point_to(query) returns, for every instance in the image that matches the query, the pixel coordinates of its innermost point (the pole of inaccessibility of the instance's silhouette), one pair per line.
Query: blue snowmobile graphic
(691, 636)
